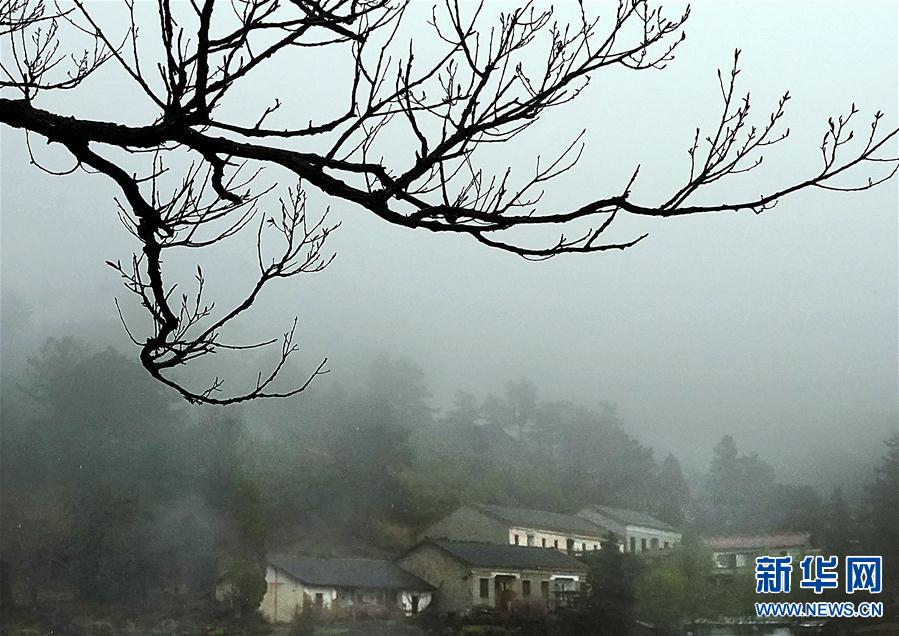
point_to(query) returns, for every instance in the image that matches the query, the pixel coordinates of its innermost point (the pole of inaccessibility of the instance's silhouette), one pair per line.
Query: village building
(638, 531)
(732, 554)
(343, 587)
(518, 526)
(469, 574)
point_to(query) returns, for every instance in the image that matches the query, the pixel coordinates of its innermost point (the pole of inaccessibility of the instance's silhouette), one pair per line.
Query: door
(504, 592)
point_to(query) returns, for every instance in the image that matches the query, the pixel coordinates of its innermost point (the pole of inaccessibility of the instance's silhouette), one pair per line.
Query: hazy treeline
(116, 492)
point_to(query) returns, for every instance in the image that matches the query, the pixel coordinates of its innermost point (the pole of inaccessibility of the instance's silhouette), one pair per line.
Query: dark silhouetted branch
(480, 81)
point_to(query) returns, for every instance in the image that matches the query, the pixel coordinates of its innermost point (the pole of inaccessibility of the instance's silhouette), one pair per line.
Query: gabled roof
(542, 520)
(760, 541)
(493, 555)
(359, 573)
(633, 517)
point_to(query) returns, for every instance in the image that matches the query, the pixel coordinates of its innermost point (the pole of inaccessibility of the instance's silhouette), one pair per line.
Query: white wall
(284, 596)
(638, 533)
(551, 537)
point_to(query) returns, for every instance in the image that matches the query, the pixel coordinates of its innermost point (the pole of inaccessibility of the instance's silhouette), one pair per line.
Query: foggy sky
(780, 329)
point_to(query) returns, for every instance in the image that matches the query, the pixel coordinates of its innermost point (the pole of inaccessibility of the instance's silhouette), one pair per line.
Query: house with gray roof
(468, 574)
(341, 586)
(519, 526)
(638, 531)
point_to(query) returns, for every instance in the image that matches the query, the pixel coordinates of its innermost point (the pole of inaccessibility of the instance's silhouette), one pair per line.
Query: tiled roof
(360, 573)
(633, 518)
(760, 541)
(542, 520)
(493, 555)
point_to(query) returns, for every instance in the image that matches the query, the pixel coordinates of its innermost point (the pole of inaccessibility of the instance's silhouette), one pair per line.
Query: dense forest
(115, 492)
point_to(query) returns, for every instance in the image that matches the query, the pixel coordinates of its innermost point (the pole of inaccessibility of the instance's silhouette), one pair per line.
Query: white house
(298, 583)
(638, 531)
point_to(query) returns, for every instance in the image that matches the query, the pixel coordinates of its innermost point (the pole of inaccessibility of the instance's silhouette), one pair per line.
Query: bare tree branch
(482, 80)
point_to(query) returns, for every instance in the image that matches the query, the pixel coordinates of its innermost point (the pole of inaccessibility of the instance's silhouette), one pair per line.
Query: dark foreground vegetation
(122, 508)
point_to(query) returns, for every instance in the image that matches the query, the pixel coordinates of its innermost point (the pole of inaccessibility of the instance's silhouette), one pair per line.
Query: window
(642, 545)
(485, 588)
(583, 547)
(667, 545)
(654, 544)
(319, 599)
(595, 547)
(530, 539)
(525, 588)
(517, 539)
(544, 589)
(543, 541)
(556, 544)
(726, 560)
(633, 544)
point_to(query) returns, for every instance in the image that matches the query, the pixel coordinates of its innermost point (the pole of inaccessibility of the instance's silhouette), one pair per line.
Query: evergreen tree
(464, 414)
(673, 493)
(883, 514)
(521, 397)
(838, 528)
(722, 486)
(739, 491)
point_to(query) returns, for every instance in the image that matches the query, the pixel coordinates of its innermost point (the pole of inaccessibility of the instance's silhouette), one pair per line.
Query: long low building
(735, 553)
(518, 526)
(298, 583)
(466, 574)
(638, 531)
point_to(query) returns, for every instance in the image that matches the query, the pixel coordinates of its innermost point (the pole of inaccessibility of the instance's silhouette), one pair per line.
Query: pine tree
(674, 493)
(883, 514)
(838, 527)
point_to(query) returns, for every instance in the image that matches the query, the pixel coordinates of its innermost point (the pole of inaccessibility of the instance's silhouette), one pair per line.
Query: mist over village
(387, 317)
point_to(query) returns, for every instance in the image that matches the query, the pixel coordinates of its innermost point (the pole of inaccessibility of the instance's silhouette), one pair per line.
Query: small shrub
(244, 585)
(100, 628)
